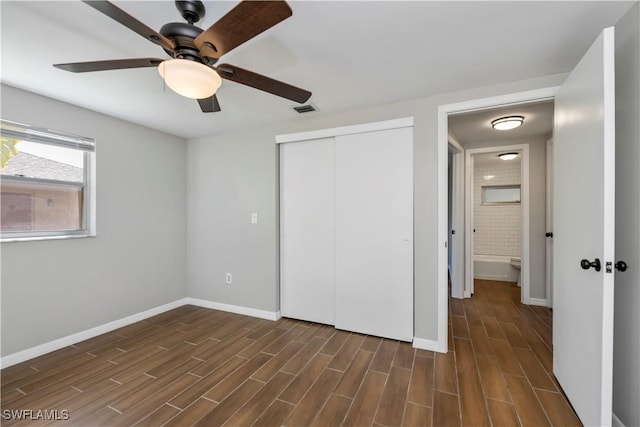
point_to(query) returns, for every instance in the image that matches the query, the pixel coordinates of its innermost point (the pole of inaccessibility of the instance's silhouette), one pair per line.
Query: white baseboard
(262, 314)
(54, 345)
(538, 301)
(39, 350)
(493, 277)
(431, 345)
(615, 421)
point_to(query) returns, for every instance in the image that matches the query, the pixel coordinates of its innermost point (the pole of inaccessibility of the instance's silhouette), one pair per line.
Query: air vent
(307, 108)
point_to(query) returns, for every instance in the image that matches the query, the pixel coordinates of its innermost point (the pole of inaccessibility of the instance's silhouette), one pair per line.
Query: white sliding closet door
(374, 233)
(307, 230)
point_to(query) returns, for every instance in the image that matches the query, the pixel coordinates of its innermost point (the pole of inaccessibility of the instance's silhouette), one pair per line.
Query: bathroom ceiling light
(508, 156)
(507, 123)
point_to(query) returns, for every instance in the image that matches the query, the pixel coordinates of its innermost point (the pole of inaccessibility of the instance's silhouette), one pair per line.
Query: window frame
(60, 139)
(501, 187)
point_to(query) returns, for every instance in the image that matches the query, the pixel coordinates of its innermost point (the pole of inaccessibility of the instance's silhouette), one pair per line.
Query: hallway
(498, 370)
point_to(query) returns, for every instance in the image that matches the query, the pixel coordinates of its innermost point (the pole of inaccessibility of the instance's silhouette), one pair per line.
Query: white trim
(538, 301)
(457, 217)
(50, 346)
(443, 142)
(469, 274)
(442, 234)
(525, 273)
(457, 148)
(247, 311)
(615, 421)
(345, 130)
(609, 218)
(431, 345)
(517, 98)
(39, 350)
(549, 226)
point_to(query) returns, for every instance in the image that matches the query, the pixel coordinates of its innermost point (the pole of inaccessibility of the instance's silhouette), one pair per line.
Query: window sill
(38, 238)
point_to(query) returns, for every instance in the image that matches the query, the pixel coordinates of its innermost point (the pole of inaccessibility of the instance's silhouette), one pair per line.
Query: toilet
(515, 263)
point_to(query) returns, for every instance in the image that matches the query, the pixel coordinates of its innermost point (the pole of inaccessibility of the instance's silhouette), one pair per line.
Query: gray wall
(626, 350)
(537, 207)
(51, 289)
(232, 174)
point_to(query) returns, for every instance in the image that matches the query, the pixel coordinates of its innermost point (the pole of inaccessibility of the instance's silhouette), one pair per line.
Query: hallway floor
(500, 364)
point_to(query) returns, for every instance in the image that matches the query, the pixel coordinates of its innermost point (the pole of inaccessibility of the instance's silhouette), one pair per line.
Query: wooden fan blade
(117, 14)
(258, 81)
(113, 64)
(209, 105)
(242, 23)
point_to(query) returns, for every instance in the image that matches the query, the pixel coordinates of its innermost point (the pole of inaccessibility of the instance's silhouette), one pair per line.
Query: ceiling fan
(194, 52)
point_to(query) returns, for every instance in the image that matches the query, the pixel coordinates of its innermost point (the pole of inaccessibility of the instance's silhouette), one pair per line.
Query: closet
(346, 227)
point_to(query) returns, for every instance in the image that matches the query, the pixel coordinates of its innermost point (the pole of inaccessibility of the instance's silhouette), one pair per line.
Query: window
(47, 184)
(499, 194)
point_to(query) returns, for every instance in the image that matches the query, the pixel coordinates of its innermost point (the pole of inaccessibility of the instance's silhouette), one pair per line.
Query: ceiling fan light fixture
(507, 123)
(507, 156)
(190, 78)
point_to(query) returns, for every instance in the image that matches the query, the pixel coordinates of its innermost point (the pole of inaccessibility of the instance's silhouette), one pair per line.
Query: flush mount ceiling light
(507, 123)
(190, 78)
(508, 156)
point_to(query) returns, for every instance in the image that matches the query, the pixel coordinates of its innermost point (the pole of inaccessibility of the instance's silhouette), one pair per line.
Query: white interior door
(584, 188)
(307, 230)
(374, 233)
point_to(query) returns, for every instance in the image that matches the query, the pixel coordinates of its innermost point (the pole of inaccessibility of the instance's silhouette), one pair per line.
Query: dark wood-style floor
(194, 366)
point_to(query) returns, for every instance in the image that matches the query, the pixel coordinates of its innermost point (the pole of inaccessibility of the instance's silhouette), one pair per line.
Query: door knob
(621, 266)
(586, 264)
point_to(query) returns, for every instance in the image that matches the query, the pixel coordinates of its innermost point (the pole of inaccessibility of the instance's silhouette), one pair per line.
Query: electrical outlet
(228, 278)
(254, 218)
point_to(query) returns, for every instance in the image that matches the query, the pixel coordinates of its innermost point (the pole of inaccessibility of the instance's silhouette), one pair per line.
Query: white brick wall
(497, 226)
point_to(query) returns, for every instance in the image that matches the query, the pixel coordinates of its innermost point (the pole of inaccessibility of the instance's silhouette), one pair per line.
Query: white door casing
(457, 216)
(584, 228)
(549, 226)
(525, 238)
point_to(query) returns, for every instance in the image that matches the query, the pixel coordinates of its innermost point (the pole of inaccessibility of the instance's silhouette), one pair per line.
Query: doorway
(506, 237)
(444, 137)
(499, 236)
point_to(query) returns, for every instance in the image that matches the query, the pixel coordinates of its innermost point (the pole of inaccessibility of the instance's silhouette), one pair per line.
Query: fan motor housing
(183, 34)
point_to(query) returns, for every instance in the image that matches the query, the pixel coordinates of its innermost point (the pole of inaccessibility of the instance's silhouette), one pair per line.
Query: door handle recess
(621, 266)
(586, 264)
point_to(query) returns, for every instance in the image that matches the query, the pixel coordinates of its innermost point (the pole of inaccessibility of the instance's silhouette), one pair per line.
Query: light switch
(254, 218)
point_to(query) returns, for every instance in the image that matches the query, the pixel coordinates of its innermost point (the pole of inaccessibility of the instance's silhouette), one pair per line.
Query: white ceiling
(476, 126)
(349, 54)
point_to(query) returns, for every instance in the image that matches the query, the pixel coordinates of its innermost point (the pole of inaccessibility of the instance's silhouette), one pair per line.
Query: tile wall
(497, 226)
